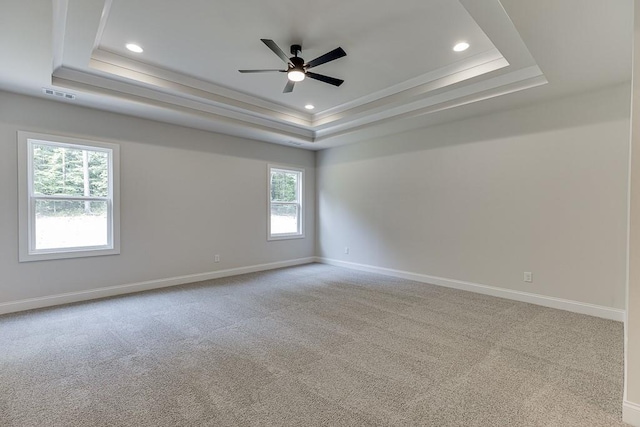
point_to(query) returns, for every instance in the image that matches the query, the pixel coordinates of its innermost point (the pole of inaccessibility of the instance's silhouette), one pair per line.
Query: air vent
(57, 93)
(295, 143)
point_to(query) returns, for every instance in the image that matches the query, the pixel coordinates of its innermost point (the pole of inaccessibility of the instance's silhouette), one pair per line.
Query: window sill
(80, 253)
(285, 237)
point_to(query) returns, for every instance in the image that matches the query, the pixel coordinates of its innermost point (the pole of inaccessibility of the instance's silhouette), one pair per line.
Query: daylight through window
(285, 202)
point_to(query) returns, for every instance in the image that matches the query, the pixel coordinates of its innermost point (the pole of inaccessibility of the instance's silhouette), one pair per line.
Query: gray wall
(540, 189)
(185, 196)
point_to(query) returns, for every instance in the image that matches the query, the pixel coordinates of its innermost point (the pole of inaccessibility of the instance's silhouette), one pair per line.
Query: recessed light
(461, 46)
(134, 48)
(309, 107)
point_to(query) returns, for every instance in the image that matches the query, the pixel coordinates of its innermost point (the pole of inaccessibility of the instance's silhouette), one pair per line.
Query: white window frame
(26, 198)
(300, 233)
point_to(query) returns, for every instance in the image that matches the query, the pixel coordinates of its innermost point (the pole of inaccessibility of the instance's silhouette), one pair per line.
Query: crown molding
(84, 82)
(117, 66)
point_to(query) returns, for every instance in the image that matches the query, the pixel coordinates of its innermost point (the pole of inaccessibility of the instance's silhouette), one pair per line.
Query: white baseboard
(546, 301)
(70, 297)
(631, 413)
(51, 300)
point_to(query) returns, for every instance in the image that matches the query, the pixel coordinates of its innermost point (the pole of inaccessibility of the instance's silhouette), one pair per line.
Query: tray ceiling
(399, 62)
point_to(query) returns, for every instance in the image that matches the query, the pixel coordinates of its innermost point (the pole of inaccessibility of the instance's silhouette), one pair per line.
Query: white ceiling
(400, 71)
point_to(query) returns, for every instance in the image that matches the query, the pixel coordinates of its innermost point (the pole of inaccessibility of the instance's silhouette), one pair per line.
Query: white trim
(60, 8)
(486, 89)
(70, 297)
(631, 413)
(546, 301)
(106, 10)
(26, 197)
(628, 248)
(473, 66)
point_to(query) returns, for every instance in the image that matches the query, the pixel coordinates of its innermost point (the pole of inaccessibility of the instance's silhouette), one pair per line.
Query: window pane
(57, 170)
(284, 219)
(69, 171)
(284, 186)
(70, 224)
(98, 173)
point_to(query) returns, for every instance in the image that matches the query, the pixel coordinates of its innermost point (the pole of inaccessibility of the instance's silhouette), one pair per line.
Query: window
(68, 197)
(285, 203)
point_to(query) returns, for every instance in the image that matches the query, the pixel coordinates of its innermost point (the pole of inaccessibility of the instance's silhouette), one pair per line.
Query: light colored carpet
(309, 346)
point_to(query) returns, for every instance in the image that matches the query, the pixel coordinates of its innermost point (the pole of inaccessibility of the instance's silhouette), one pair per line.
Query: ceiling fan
(297, 68)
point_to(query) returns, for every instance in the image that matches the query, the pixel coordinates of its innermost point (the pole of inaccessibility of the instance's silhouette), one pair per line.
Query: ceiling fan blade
(326, 79)
(327, 57)
(289, 87)
(261, 71)
(274, 47)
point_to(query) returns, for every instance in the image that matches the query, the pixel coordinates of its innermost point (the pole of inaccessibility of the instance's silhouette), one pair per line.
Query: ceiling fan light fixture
(295, 75)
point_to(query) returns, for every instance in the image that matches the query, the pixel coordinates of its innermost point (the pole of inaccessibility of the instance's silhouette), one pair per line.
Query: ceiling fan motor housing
(298, 63)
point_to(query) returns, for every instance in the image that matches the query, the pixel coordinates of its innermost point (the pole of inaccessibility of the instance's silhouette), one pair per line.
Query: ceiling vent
(57, 93)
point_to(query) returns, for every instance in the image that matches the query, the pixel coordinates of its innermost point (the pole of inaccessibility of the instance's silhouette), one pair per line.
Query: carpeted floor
(306, 346)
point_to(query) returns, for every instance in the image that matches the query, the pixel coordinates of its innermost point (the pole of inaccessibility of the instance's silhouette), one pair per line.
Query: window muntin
(285, 202)
(68, 205)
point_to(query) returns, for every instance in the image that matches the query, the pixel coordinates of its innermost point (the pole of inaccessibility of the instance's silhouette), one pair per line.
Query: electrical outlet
(528, 276)
(346, 250)
(216, 258)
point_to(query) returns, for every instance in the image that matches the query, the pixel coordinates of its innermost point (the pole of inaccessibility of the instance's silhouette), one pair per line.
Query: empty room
(296, 213)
